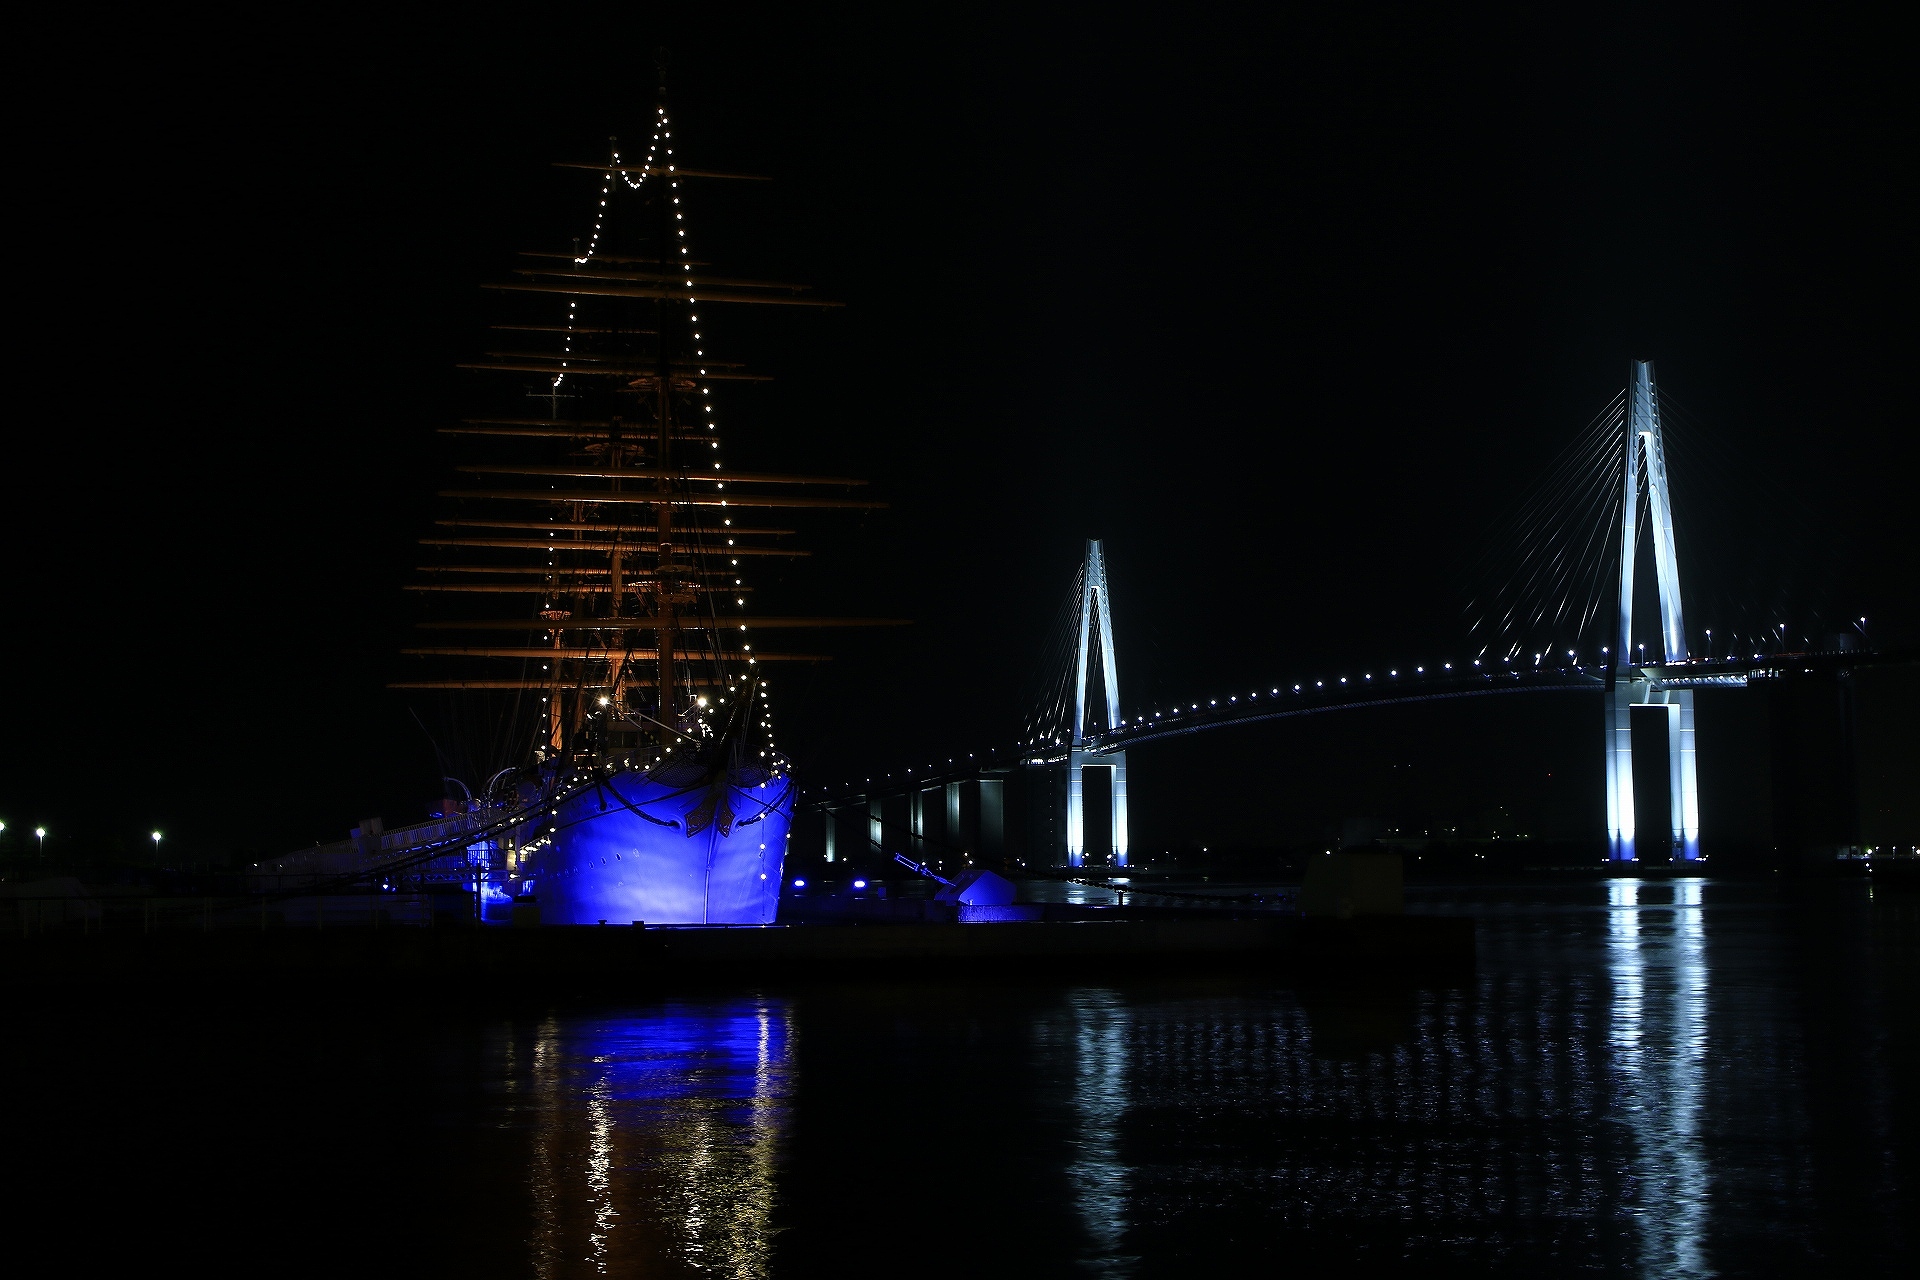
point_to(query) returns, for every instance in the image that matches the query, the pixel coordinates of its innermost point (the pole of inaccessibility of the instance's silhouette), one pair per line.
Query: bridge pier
(1620, 817)
(1114, 845)
(1683, 784)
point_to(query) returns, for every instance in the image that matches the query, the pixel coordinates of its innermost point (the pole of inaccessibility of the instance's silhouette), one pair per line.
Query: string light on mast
(600, 221)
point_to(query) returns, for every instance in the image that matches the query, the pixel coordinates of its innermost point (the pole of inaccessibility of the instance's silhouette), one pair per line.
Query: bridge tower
(1095, 632)
(1628, 684)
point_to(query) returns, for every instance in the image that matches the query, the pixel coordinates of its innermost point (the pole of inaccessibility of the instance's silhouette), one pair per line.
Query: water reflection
(1639, 1078)
(1101, 1025)
(1556, 1109)
(1658, 1038)
(655, 1138)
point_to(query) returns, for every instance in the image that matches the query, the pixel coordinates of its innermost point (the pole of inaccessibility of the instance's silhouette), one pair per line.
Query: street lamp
(41, 834)
(156, 846)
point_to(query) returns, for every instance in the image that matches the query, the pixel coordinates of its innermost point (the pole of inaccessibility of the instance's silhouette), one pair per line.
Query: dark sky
(1291, 315)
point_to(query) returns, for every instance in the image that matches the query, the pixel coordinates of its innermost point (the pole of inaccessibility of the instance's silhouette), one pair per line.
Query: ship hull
(620, 852)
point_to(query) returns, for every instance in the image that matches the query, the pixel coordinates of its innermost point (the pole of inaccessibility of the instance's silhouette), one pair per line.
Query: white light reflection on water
(600, 1172)
(1099, 1025)
(1658, 1039)
(655, 1138)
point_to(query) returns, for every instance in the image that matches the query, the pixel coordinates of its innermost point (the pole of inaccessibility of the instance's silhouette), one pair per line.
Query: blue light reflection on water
(1649, 1077)
(1598, 1096)
(655, 1136)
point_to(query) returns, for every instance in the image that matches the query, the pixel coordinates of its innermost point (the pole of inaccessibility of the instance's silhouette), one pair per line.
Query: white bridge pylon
(1629, 686)
(1095, 627)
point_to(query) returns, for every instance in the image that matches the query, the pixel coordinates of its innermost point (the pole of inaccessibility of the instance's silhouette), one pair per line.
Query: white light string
(659, 162)
(665, 135)
(662, 141)
(600, 222)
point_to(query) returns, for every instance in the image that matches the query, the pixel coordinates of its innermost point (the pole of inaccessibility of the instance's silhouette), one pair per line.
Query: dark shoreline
(624, 960)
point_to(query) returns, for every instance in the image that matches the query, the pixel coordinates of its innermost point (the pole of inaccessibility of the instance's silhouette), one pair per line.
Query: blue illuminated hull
(619, 852)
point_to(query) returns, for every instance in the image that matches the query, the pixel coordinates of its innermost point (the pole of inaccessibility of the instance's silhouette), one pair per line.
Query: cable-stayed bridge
(1609, 496)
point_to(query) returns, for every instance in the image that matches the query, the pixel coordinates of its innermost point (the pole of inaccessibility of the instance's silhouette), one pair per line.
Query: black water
(1642, 1078)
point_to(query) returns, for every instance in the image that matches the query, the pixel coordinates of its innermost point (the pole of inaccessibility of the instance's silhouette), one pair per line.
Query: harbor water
(1642, 1077)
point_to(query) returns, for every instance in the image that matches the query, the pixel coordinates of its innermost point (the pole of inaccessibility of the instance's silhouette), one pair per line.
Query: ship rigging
(612, 540)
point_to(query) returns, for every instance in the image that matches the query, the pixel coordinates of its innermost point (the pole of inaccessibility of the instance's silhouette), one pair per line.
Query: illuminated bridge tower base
(1090, 771)
(1628, 684)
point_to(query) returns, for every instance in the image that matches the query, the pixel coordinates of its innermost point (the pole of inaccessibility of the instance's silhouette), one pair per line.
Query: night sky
(1291, 316)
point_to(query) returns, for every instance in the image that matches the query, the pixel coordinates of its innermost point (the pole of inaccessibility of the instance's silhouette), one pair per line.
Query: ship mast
(613, 516)
(666, 602)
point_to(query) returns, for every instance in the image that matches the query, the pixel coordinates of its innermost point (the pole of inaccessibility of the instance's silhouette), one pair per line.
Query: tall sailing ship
(600, 557)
